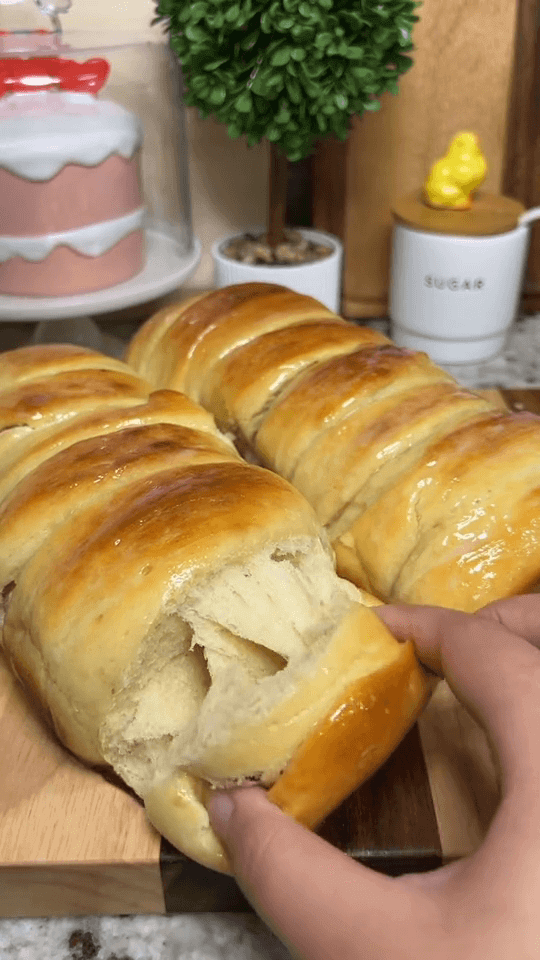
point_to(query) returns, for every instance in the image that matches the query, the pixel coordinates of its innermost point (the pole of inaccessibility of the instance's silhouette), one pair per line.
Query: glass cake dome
(95, 211)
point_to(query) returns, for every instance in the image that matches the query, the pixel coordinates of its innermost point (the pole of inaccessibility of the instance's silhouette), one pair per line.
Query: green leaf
(195, 33)
(234, 131)
(298, 54)
(199, 83)
(372, 105)
(250, 40)
(260, 85)
(215, 64)
(350, 84)
(218, 95)
(302, 31)
(232, 13)
(362, 73)
(197, 11)
(283, 116)
(244, 102)
(216, 21)
(285, 24)
(281, 57)
(322, 40)
(313, 70)
(294, 90)
(352, 19)
(312, 89)
(341, 101)
(402, 63)
(273, 133)
(381, 36)
(354, 53)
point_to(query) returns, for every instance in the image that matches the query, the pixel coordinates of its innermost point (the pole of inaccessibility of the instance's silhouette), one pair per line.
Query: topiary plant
(290, 71)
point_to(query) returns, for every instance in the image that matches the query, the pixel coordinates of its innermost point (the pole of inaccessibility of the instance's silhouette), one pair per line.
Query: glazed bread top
(425, 489)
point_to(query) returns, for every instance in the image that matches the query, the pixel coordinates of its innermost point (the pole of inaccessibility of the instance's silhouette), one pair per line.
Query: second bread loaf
(429, 492)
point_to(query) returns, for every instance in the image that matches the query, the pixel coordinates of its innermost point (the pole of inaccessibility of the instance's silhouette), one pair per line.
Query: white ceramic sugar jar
(456, 277)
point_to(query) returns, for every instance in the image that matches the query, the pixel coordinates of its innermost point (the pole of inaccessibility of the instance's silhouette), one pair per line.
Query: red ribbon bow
(70, 75)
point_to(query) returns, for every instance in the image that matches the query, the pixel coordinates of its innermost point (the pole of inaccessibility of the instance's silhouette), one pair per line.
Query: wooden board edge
(60, 890)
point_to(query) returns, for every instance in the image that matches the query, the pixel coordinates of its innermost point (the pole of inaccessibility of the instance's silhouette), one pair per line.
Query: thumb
(318, 901)
(493, 671)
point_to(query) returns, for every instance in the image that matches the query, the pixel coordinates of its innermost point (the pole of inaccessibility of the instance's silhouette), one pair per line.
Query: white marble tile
(517, 367)
(183, 937)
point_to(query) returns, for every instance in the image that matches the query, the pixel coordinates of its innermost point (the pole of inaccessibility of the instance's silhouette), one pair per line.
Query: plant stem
(277, 196)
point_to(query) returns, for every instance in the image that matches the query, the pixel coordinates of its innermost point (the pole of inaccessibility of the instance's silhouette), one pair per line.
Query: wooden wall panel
(521, 177)
(461, 79)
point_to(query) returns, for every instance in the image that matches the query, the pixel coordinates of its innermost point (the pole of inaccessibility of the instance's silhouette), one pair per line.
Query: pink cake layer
(65, 272)
(76, 197)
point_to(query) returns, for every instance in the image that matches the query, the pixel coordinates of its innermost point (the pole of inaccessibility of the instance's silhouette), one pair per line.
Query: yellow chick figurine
(454, 178)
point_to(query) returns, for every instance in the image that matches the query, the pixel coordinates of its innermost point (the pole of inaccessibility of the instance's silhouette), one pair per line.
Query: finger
(494, 672)
(319, 902)
(520, 615)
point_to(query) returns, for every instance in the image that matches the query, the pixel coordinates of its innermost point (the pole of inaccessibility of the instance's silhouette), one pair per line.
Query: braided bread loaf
(175, 611)
(429, 493)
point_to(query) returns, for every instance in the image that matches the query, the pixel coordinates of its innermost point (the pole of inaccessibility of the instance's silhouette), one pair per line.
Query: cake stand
(69, 319)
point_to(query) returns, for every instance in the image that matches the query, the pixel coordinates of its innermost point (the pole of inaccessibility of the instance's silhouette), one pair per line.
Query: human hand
(325, 906)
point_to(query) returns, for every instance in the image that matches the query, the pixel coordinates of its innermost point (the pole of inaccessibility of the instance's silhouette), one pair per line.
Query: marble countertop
(183, 937)
(518, 367)
(205, 936)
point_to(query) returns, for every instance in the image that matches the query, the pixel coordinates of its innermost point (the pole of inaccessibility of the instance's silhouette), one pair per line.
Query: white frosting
(92, 241)
(42, 132)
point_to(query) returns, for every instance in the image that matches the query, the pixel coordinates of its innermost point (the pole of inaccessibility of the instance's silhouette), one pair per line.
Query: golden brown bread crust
(331, 392)
(376, 440)
(116, 504)
(240, 387)
(467, 513)
(28, 449)
(150, 335)
(35, 404)
(369, 695)
(374, 446)
(36, 362)
(214, 325)
(358, 734)
(91, 472)
(121, 557)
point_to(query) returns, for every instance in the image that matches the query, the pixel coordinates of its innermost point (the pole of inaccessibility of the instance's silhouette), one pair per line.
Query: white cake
(71, 213)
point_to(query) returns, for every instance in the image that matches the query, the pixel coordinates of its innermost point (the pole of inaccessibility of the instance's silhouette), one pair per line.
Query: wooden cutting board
(73, 843)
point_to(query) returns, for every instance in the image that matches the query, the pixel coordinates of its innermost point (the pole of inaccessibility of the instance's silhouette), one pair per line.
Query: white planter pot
(321, 279)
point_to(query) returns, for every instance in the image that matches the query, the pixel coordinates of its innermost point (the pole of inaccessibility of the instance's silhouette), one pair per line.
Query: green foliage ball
(292, 71)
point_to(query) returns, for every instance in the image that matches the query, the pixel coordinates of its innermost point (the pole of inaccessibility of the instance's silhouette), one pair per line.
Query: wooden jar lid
(489, 214)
